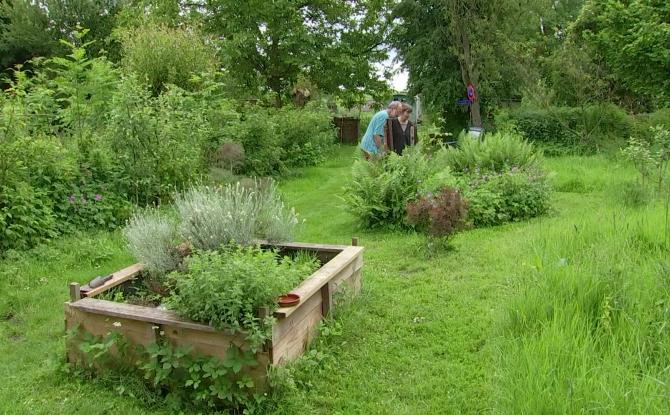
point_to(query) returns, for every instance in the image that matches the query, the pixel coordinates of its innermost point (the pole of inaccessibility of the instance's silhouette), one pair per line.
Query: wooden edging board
(293, 330)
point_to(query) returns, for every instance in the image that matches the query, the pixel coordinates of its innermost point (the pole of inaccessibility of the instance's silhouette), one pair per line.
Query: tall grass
(588, 328)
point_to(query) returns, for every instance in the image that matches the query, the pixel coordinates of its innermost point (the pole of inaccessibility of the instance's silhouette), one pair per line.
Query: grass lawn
(560, 314)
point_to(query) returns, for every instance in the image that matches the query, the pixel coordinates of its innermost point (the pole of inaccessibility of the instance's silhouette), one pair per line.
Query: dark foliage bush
(439, 215)
(644, 122)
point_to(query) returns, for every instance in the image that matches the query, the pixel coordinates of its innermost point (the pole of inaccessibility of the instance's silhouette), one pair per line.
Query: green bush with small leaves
(160, 55)
(510, 196)
(306, 135)
(26, 217)
(560, 130)
(182, 378)
(227, 288)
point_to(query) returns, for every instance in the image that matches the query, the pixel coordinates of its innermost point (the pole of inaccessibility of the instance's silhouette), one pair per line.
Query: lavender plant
(152, 238)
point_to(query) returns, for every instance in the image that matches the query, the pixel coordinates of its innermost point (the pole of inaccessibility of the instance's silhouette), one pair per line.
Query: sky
(399, 79)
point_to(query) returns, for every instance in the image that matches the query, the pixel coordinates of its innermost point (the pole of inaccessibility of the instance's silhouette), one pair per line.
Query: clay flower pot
(289, 300)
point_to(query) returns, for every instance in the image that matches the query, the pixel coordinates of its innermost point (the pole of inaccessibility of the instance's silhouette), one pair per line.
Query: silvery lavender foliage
(152, 238)
(236, 213)
(211, 218)
(274, 221)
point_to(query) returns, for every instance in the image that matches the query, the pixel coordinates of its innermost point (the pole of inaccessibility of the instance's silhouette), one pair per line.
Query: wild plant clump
(234, 214)
(152, 238)
(227, 288)
(496, 152)
(380, 189)
(440, 215)
(211, 217)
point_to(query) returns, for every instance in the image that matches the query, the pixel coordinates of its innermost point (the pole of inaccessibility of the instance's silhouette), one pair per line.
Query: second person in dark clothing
(403, 131)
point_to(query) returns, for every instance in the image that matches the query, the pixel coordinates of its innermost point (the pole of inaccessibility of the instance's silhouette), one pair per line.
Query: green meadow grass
(562, 314)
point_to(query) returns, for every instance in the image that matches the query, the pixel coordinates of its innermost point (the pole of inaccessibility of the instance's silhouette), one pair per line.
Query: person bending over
(373, 142)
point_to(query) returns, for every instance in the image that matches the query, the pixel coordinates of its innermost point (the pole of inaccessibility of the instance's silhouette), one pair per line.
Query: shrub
(152, 239)
(264, 154)
(156, 143)
(26, 217)
(514, 195)
(643, 122)
(439, 215)
(380, 189)
(306, 135)
(234, 214)
(650, 156)
(161, 55)
(570, 129)
(496, 152)
(227, 289)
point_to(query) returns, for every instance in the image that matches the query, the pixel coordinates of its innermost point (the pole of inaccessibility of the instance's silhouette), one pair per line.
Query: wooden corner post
(75, 292)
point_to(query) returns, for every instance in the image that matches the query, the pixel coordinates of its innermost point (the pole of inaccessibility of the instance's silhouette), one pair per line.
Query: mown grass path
(420, 339)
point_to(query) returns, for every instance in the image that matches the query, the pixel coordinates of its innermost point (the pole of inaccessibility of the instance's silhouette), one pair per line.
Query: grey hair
(394, 104)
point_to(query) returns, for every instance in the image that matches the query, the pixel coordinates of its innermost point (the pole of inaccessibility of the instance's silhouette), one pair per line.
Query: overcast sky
(399, 79)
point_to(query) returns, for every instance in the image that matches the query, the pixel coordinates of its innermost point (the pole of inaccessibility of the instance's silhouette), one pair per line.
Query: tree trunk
(468, 72)
(278, 102)
(275, 78)
(475, 114)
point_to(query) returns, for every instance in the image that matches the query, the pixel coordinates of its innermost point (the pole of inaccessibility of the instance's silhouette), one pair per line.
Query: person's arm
(378, 136)
(379, 141)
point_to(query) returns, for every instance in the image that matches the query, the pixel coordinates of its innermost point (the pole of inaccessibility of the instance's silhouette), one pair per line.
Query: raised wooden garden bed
(292, 333)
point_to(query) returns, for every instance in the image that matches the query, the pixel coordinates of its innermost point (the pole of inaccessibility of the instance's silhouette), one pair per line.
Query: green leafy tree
(267, 46)
(631, 40)
(24, 33)
(447, 44)
(30, 29)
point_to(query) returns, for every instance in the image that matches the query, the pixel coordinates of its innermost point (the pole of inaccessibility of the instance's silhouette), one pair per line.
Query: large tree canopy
(267, 46)
(446, 44)
(631, 39)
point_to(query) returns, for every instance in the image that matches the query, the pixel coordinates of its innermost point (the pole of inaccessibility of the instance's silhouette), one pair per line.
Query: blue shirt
(376, 127)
